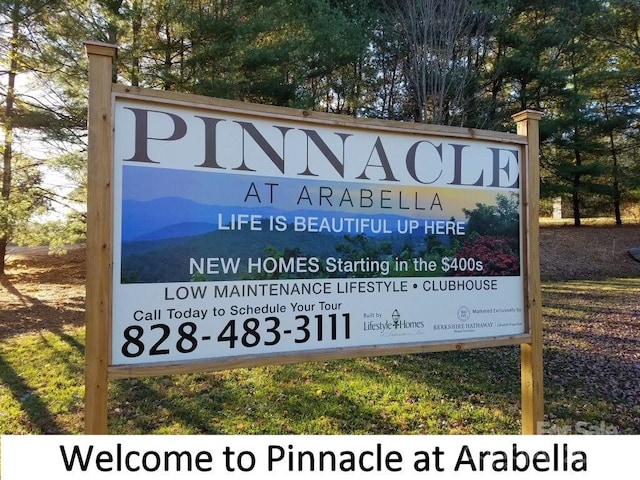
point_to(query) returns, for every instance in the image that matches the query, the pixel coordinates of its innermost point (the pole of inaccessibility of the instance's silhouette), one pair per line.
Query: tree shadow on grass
(597, 390)
(6, 283)
(384, 395)
(592, 356)
(33, 315)
(591, 382)
(590, 376)
(40, 419)
(214, 404)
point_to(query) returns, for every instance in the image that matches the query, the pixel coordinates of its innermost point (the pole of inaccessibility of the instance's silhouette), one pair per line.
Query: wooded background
(470, 63)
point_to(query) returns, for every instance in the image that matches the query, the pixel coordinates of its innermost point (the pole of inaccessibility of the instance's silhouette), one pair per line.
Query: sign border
(102, 94)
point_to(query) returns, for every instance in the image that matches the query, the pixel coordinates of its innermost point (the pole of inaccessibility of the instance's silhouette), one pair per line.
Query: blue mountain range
(174, 217)
(171, 217)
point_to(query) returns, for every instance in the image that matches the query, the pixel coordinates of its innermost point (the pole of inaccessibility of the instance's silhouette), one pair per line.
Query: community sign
(243, 231)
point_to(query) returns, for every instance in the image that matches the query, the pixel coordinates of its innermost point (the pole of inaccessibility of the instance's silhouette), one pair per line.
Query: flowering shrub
(499, 255)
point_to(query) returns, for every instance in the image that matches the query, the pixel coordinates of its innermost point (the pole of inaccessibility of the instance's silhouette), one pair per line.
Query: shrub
(498, 255)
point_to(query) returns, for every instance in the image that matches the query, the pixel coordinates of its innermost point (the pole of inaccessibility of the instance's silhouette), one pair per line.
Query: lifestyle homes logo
(393, 325)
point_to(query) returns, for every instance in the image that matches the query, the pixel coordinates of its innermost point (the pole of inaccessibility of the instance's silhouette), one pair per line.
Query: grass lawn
(592, 382)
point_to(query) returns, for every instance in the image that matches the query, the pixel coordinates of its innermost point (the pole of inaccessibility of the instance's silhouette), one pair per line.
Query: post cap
(93, 47)
(527, 115)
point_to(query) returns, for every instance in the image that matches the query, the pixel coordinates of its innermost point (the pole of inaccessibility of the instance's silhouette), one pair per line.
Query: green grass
(404, 394)
(475, 392)
(42, 389)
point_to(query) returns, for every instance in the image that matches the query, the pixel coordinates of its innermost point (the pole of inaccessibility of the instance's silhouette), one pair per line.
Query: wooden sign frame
(99, 283)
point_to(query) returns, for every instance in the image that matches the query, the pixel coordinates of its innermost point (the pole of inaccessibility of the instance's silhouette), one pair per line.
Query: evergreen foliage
(577, 62)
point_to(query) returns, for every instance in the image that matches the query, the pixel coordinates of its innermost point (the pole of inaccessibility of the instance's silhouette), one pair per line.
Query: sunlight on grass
(42, 383)
(362, 396)
(468, 392)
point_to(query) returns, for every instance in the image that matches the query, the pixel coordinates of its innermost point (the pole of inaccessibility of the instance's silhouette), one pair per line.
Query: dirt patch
(42, 291)
(581, 253)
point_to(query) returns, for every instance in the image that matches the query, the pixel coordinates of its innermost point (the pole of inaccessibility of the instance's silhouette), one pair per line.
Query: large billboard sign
(243, 231)
(223, 234)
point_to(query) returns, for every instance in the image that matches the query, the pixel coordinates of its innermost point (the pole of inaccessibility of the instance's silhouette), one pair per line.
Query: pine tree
(22, 24)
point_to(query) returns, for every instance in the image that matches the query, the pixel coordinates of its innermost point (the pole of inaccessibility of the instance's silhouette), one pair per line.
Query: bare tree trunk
(616, 181)
(136, 27)
(575, 196)
(615, 171)
(440, 35)
(7, 157)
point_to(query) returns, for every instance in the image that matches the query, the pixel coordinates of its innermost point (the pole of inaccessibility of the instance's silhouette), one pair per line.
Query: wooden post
(531, 353)
(99, 234)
